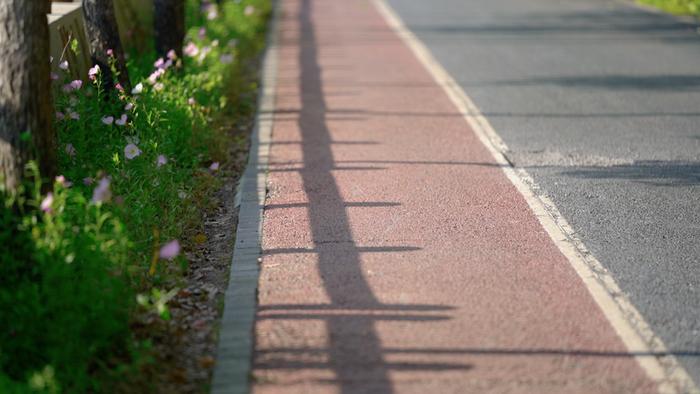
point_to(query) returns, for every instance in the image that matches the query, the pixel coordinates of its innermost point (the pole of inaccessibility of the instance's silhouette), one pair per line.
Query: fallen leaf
(200, 239)
(207, 361)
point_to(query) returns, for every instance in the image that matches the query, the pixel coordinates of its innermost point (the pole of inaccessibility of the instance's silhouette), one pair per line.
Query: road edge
(647, 348)
(236, 339)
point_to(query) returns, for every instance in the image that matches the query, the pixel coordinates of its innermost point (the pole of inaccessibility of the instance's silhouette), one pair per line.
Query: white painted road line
(647, 348)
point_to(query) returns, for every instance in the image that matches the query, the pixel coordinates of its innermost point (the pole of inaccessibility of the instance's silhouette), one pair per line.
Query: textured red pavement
(397, 255)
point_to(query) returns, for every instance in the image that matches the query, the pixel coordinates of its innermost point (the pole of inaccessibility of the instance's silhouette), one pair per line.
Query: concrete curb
(235, 348)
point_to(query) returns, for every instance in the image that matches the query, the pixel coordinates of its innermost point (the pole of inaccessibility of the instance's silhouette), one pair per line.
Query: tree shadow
(652, 172)
(354, 352)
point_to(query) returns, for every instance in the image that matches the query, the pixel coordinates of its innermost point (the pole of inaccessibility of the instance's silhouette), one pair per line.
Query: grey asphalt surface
(600, 101)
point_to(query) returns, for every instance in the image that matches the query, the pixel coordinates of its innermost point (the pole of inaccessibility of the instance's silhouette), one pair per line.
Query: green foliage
(679, 7)
(77, 265)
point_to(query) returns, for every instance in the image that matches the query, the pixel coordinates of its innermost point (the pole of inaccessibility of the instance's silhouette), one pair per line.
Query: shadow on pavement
(653, 172)
(354, 351)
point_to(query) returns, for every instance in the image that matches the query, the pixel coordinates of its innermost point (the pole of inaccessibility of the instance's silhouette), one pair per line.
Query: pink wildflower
(155, 75)
(110, 53)
(88, 181)
(102, 192)
(191, 101)
(131, 151)
(122, 120)
(108, 120)
(128, 107)
(63, 65)
(191, 50)
(73, 85)
(171, 54)
(170, 250)
(92, 73)
(159, 63)
(47, 202)
(214, 166)
(119, 87)
(249, 10)
(60, 115)
(202, 32)
(61, 180)
(161, 161)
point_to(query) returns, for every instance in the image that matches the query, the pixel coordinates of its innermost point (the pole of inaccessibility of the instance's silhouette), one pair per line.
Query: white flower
(131, 151)
(138, 89)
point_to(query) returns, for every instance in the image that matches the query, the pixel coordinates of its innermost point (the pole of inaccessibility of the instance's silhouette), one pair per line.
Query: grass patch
(137, 170)
(678, 7)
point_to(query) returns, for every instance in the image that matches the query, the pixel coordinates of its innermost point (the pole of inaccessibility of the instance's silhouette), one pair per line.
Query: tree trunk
(169, 25)
(25, 86)
(103, 34)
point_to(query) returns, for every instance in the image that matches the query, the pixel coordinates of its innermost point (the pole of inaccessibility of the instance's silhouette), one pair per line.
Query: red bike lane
(397, 256)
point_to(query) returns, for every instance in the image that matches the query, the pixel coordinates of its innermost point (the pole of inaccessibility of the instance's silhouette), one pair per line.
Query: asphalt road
(600, 101)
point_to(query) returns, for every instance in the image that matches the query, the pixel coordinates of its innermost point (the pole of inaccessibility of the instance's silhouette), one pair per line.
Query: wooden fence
(66, 22)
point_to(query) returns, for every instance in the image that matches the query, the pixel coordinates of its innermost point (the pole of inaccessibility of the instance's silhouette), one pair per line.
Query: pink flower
(119, 87)
(214, 166)
(191, 101)
(170, 250)
(128, 107)
(249, 10)
(61, 180)
(63, 65)
(46, 203)
(161, 161)
(108, 120)
(70, 150)
(74, 115)
(226, 59)
(110, 53)
(122, 120)
(54, 76)
(131, 151)
(60, 115)
(202, 32)
(168, 64)
(155, 75)
(191, 50)
(88, 181)
(92, 73)
(102, 192)
(158, 87)
(171, 54)
(73, 85)
(159, 63)
(138, 89)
